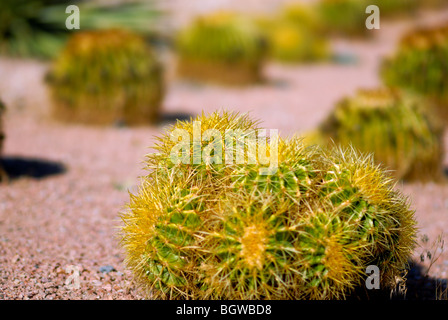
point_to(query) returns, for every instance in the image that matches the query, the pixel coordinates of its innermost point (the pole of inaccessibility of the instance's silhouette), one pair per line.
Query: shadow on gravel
(18, 167)
(419, 286)
(422, 287)
(171, 118)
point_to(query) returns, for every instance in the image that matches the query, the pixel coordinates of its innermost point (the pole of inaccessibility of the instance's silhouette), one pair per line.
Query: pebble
(107, 269)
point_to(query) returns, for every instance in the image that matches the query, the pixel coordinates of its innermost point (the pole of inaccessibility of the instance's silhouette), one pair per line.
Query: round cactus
(393, 125)
(295, 35)
(345, 17)
(306, 231)
(105, 77)
(221, 47)
(290, 42)
(420, 65)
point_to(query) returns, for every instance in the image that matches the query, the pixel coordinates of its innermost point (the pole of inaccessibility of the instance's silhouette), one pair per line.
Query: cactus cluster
(306, 231)
(106, 77)
(420, 65)
(295, 35)
(221, 47)
(396, 126)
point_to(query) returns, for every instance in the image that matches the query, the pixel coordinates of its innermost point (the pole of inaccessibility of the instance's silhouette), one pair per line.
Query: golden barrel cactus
(306, 230)
(106, 77)
(398, 127)
(222, 47)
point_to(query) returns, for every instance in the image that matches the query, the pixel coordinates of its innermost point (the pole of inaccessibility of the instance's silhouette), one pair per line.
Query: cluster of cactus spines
(221, 47)
(420, 64)
(397, 126)
(363, 196)
(2, 137)
(107, 77)
(307, 231)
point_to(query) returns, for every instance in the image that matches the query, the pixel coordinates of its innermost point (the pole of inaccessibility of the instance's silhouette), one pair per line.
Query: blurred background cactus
(347, 17)
(198, 235)
(295, 34)
(106, 77)
(393, 8)
(37, 28)
(420, 65)
(221, 47)
(343, 17)
(399, 128)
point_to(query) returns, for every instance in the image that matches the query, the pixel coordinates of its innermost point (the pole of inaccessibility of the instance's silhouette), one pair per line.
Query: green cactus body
(103, 77)
(163, 235)
(393, 125)
(420, 65)
(306, 231)
(379, 217)
(223, 48)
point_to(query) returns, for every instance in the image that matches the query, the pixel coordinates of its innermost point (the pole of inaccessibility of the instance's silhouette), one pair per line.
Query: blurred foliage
(106, 77)
(223, 47)
(37, 27)
(398, 127)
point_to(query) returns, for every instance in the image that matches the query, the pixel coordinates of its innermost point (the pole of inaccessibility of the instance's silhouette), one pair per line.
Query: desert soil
(68, 182)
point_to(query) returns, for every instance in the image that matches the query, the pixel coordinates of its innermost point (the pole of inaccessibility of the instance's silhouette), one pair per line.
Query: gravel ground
(59, 212)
